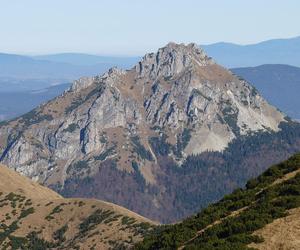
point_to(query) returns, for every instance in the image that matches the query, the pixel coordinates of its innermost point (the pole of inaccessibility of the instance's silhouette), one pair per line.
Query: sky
(133, 27)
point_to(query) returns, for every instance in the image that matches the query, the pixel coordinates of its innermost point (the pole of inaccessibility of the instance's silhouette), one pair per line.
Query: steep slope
(264, 215)
(275, 51)
(35, 217)
(279, 84)
(148, 137)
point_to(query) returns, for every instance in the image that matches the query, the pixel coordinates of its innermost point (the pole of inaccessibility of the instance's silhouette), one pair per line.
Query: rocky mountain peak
(174, 103)
(172, 59)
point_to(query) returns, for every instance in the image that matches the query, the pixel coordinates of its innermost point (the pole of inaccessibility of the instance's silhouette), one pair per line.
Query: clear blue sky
(132, 27)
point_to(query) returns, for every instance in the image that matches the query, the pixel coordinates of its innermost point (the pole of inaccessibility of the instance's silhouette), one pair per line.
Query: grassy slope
(240, 220)
(35, 217)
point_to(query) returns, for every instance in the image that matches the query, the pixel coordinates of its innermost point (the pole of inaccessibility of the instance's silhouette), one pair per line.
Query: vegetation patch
(160, 145)
(127, 220)
(26, 212)
(59, 235)
(98, 90)
(93, 220)
(139, 178)
(140, 149)
(55, 210)
(34, 117)
(78, 166)
(230, 116)
(106, 153)
(163, 148)
(182, 141)
(71, 128)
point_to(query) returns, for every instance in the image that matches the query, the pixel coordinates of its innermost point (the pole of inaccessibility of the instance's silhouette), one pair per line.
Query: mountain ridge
(83, 59)
(47, 72)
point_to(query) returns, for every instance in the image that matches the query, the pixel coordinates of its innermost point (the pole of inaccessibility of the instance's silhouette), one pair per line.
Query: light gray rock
(178, 87)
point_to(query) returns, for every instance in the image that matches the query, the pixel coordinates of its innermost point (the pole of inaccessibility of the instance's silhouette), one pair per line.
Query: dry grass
(10, 181)
(283, 233)
(52, 212)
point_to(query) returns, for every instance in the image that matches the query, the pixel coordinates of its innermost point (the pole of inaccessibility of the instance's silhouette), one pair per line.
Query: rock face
(174, 103)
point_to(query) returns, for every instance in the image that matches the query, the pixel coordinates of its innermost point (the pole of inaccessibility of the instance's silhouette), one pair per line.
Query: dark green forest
(260, 202)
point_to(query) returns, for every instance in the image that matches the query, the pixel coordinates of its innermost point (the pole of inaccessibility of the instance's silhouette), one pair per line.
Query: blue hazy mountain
(24, 67)
(276, 51)
(279, 84)
(13, 104)
(88, 60)
(32, 73)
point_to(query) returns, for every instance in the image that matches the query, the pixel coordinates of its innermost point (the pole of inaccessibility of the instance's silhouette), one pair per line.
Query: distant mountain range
(15, 103)
(39, 72)
(88, 60)
(276, 51)
(36, 72)
(279, 84)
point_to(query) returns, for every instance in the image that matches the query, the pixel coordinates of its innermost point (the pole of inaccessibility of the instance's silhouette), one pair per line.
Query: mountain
(264, 215)
(32, 73)
(35, 217)
(163, 139)
(13, 104)
(279, 84)
(88, 60)
(24, 67)
(276, 51)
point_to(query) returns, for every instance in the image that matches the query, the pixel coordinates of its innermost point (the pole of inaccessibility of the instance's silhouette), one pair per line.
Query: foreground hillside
(35, 217)
(264, 215)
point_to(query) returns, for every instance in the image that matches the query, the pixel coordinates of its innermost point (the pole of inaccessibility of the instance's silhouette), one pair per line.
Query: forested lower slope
(256, 216)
